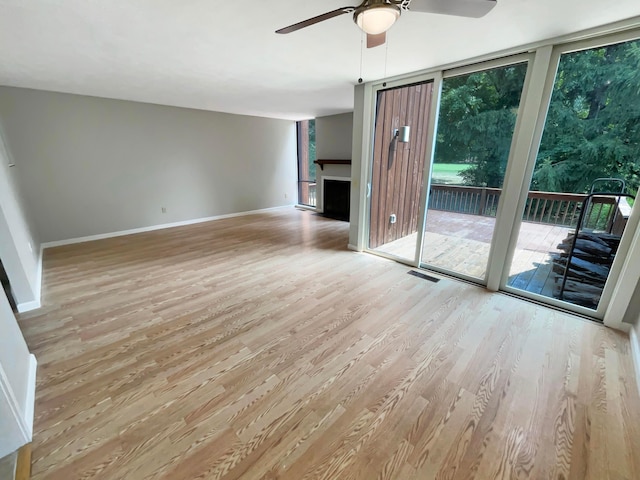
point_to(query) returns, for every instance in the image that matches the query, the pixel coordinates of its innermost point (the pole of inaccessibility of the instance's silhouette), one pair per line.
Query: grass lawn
(448, 173)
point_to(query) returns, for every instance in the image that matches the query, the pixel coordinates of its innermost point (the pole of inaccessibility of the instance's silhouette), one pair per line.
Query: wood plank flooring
(259, 347)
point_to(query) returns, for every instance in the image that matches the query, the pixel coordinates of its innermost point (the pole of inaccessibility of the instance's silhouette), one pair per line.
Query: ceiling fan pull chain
(362, 34)
(386, 57)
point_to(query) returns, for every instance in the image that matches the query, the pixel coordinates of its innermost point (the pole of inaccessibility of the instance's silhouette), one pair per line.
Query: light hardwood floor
(259, 347)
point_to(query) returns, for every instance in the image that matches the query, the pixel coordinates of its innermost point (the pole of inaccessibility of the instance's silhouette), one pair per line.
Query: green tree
(593, 124)
(477, 117)
(592, 128)
(312, 149)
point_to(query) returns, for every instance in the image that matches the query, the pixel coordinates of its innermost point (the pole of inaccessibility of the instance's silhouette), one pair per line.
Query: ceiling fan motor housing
(377, 16)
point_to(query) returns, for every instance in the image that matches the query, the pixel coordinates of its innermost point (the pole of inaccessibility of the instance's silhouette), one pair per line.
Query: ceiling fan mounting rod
(367, 4)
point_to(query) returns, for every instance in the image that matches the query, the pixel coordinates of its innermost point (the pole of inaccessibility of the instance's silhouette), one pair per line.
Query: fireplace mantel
(322, 163)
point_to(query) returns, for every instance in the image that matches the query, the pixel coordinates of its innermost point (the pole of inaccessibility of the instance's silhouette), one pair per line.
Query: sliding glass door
(536, 204)
(477, 117)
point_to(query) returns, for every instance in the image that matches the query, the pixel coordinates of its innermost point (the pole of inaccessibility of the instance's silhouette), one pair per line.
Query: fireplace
(336, 198)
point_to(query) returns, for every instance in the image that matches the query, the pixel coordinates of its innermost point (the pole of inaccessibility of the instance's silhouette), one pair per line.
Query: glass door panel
(591, 135)
(400, 152)
(477, 118)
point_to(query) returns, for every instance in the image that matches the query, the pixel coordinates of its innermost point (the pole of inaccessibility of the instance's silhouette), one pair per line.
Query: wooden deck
(461, 243)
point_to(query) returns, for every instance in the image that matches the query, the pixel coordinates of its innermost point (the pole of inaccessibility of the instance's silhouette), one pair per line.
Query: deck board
(460, 243)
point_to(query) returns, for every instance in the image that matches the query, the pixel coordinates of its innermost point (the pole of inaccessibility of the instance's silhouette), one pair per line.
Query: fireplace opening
(337, 197)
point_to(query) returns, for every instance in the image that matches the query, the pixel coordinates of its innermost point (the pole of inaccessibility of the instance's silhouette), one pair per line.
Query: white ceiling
(224, 55)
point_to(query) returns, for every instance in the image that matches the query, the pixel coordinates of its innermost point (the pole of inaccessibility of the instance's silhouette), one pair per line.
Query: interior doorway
(6, 286)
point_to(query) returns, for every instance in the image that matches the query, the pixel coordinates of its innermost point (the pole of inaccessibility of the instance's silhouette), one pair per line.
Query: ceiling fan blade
(318, 19)
(460, 8)
(376, 40)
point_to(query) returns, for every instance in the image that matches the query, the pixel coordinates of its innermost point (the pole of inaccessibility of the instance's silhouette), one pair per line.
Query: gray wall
(333, 142)
(19, 248)
(90, 166)
(14, 377)
(333, 136)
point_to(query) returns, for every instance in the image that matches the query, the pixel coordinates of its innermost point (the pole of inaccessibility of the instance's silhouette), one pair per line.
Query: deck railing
(307, 193)
(542, 207)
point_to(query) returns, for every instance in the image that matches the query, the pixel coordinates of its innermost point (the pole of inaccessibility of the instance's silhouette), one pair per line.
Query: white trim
(320, 201)
(532, 114)
(353, 247)
(37, 303)
(152, 228)
(624, 288)
(29, 407)
(635, 353)
(14, 407)
(432, 128)
(39, 275)
(365, 152)
(500, 62)
(622, 26)
(28, 306)
(300, 206)
(336, 177)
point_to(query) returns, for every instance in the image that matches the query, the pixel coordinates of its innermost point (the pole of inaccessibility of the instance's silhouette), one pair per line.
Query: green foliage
(477, 117)
(447, 173)
(593, 123)
(312, 149)
(592, 128)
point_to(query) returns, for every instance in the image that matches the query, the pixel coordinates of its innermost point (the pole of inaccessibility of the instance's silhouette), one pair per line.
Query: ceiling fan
(375, 17)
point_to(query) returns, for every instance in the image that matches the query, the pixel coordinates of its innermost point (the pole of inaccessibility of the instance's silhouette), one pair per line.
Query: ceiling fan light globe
(374, 21)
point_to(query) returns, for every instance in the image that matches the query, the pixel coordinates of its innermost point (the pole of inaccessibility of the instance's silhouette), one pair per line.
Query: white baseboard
(28, 306)
(101, 236)
(300, 206)
(635, 353)
(29, 408)
(353, 247)
(35, 304)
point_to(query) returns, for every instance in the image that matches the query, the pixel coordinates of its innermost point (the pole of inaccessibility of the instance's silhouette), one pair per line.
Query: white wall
(91, 166)
(358, 170)
(19, 248)
(333, 142)
(635, 348)
(16, 383)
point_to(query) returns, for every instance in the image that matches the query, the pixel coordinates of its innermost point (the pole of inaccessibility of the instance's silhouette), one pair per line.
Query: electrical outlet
(164, 209)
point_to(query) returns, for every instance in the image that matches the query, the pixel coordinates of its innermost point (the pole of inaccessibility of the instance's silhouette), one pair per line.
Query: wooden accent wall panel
(398, 168)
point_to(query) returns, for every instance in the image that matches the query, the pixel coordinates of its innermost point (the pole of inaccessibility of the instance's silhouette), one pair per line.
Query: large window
(306, 165)
(590, 149)
(521, 174)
